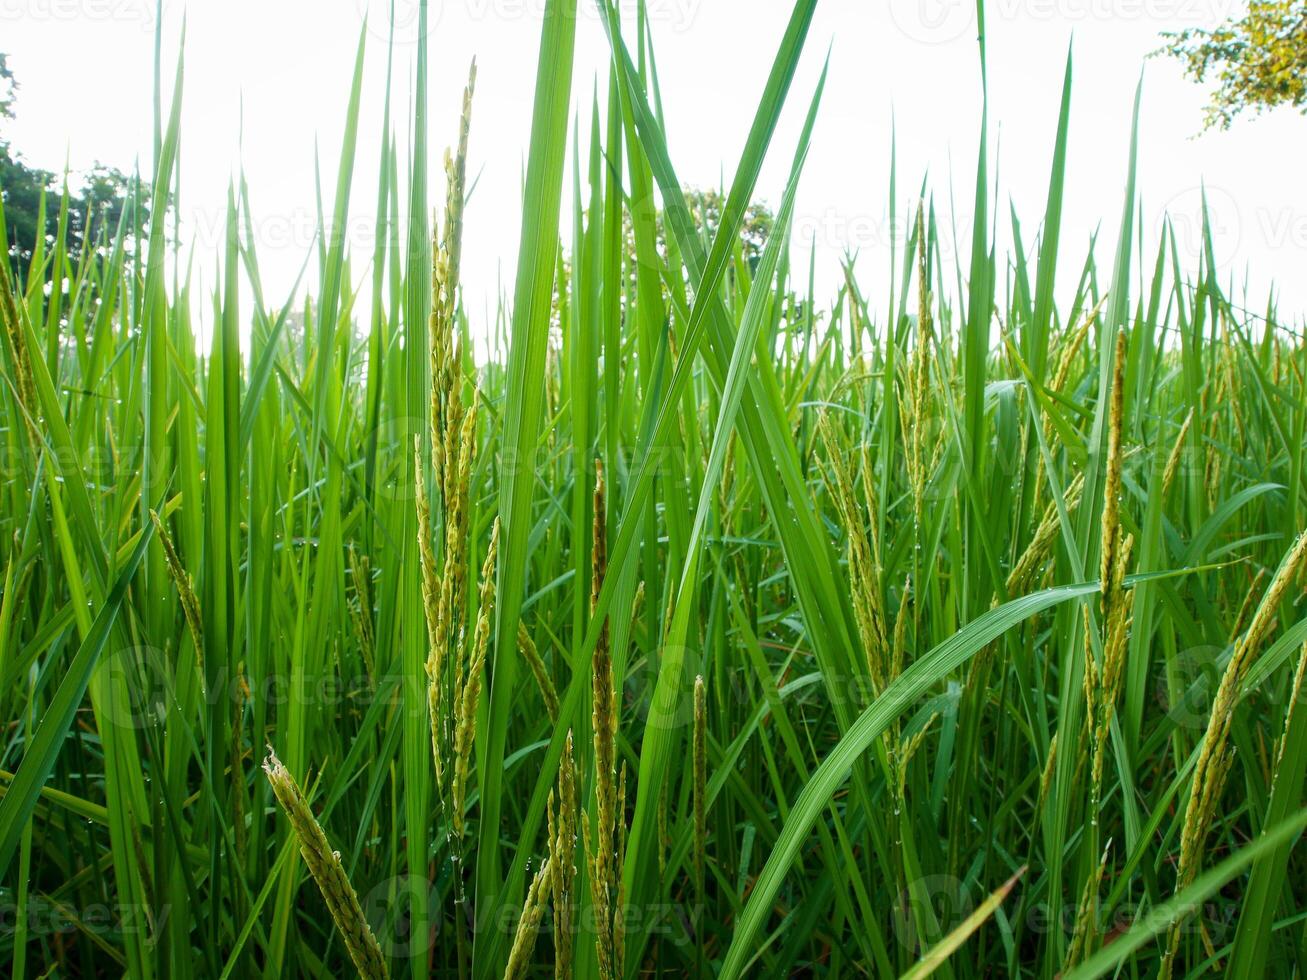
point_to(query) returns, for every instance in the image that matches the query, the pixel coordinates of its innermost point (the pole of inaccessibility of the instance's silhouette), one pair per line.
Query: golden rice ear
(1214, 755)
(12, 313)
(528, 926)
(700, 763)
(1085, 933)
(1173, 459)
(526, 646)
(608, 834)
(456, 192)
(452, 427)
(864, 565)
(436, 646)
(1041, 545)
(1112, 482)
(562, 851)
(181, 580)
(325, 867)
(468, 698)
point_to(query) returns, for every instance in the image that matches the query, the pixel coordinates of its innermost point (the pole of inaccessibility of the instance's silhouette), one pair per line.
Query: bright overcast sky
(85, 67)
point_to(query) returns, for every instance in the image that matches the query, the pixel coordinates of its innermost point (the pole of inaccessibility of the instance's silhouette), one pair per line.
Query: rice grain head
(526, 646)
(1215, 757)
(1112, 481)
(700, 753)
(1177, 452)
(603, 858)
(185, 586)
(325, 867)
(469, 696)
(562, 851)
(528, 926)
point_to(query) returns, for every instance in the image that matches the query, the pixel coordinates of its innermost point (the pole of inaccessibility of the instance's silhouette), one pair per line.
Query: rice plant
(674, 623)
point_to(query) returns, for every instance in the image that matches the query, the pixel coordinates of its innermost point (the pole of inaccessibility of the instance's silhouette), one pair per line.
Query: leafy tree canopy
(100, 201)
(1258, 61)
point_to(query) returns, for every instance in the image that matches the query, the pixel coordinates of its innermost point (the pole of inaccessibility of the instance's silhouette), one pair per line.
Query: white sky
(85, 67)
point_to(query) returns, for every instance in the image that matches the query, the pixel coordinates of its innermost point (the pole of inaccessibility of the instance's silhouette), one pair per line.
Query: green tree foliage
(32, 203)
(705, 210)
(7, 87)
(706, 207)
(1258, 61)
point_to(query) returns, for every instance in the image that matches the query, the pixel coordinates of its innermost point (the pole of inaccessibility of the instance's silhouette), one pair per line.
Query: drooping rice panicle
(468, 694)
(1085, 933)
(562, 851)
(325, 867)
(1214, 755)
(863, 570)
(526, 646)
(1111, 523)
(1176, 455)
(700, 791)
(528, 926)
(603, 858)
(361, 611)
(185, 593)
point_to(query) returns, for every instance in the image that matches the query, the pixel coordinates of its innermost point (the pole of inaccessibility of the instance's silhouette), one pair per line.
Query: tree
(1258, 61)
(706, 207)
(98, 202)
(8, 88)
(21, 187)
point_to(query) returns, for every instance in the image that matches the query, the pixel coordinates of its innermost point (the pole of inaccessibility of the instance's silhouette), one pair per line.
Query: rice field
(675, 622)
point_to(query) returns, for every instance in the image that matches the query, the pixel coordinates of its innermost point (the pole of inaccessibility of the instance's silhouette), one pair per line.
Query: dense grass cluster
(696, 630)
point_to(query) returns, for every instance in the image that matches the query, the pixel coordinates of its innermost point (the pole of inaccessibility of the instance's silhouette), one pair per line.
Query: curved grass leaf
(1160, 918)
(834, 769)
(23, 791)
(942, 950)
